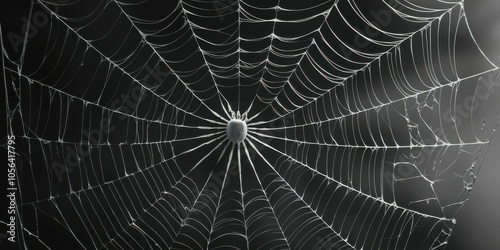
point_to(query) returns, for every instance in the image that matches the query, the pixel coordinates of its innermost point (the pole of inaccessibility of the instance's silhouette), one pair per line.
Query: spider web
(119, 110)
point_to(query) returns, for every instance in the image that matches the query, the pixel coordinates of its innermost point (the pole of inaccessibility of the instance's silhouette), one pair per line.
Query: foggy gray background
(478, 223)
